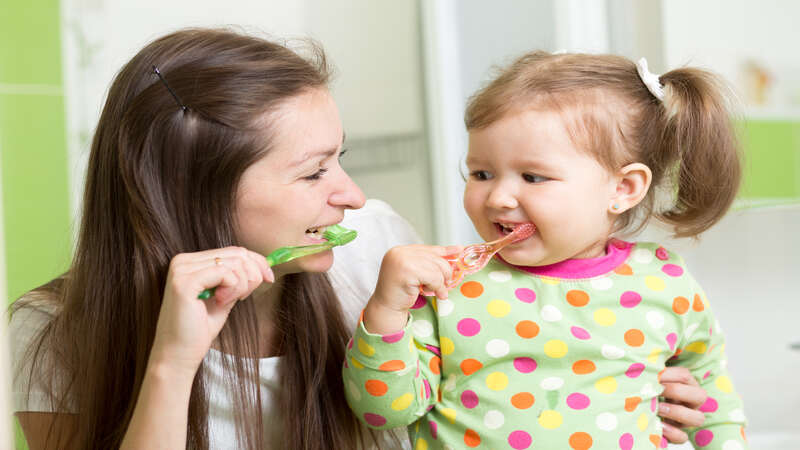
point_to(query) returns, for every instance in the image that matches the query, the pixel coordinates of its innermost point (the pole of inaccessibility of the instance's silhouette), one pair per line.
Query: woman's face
(289, 196)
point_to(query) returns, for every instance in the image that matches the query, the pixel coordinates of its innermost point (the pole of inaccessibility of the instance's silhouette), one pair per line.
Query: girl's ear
(633, 181)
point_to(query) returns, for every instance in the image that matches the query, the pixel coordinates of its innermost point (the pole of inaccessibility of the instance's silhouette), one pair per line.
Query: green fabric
(516, 360)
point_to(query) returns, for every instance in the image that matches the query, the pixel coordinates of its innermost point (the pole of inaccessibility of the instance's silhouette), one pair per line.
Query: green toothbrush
(335, 234)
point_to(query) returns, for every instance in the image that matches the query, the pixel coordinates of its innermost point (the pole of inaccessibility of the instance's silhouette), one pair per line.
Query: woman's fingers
(673, 433)
(682, 416)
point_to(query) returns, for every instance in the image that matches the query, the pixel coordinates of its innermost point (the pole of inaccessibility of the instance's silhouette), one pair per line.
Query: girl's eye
(316, 175)
(532, 178)
(480, 175)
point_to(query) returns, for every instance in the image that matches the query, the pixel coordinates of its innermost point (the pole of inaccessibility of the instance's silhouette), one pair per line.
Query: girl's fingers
(673, 434)
(690, 395)
(681, 415)
(678, 374)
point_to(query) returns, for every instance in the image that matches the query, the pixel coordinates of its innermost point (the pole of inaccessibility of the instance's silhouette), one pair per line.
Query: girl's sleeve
(392, 380)
(702, 351)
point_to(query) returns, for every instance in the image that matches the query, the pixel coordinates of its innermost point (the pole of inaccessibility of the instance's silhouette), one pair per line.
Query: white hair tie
(650, 79)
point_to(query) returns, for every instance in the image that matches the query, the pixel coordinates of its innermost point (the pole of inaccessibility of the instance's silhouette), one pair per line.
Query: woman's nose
(346, 192)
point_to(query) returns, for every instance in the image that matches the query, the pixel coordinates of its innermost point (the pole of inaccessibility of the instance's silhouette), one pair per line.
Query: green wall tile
(772, 159)
(30, 42)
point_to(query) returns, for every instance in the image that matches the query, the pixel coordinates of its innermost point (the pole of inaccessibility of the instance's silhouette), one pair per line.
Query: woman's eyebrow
(319, 154)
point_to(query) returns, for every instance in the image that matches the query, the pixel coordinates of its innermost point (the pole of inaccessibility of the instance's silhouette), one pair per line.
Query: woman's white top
(353, 276)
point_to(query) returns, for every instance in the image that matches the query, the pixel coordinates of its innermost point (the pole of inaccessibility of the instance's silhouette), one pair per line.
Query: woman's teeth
(316, 233)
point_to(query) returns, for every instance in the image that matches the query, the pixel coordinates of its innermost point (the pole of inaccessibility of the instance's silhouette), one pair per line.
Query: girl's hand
(682, 395)
(187, 326)
(404, 271)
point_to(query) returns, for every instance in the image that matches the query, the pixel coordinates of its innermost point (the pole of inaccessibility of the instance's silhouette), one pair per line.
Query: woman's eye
(316, 175)
(532, 178)
(480, 175)
(342, 152)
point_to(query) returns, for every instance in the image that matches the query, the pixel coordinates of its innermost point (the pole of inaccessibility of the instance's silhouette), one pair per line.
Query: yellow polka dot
(697, 347)
(402, 402)
(421, 444)
(447, 345)
(497, 381)
(365, 348)
(724, 384)
(411, 346)
(356, 364)
(449, 414)
(555, 348)
(552, 281)
(642, 422)
(498, 308)
(607, 385)
(434, 304)
(654, 354)
(654, 283)
(605, 317)
(550, 419)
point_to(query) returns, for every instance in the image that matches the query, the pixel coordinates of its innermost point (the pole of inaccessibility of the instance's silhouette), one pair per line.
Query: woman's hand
(404, 271)
(682, 395)
(187, 326)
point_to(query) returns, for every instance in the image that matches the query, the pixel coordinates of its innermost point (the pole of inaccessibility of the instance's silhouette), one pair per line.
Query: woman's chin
(316, 263)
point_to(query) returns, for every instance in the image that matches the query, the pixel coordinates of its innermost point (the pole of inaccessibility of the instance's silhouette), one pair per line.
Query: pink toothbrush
(474, 257)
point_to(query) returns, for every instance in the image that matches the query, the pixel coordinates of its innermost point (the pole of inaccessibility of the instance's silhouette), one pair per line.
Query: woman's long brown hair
(163, 181)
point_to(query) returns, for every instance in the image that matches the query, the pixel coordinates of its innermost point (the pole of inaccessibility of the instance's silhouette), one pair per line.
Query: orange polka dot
(376, 387)
(471, 438)
(680, 305)
(472, 289)
(631, 403)
(624, 270)
(580, 441)
(522, 400)
(577, 298)
(741, 429)
(634, 337)
(656, 440)
(392, 366)
(470, 366)
(527, 329)
(659, 375)
(435, 365)
(583, 367)
(698, 303)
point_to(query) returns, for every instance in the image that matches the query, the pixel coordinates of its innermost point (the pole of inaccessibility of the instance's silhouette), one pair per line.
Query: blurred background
(405, 70)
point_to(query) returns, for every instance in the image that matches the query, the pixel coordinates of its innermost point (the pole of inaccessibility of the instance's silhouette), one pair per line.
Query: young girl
(560, 341)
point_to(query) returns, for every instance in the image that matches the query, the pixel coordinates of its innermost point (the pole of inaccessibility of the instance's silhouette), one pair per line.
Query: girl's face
(525, 168)
(298, 189)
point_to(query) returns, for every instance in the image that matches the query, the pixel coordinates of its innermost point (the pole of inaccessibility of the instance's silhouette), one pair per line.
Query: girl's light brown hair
(163, 181)
(688, 141)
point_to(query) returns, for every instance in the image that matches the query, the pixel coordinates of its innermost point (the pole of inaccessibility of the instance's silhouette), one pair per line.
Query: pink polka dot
(525, 364)
(394, 337)
(707, 374)
(427, 387)
(629, 299)
(468, 327)
(672, 339)
(661, 253)
(578, 401)
(634, 370)
(434, 350)
(672, 270)
(626, 441)
(526, 295)
(434, 429)
(580, 333)
(469, 399)
(350, 343)
(519, 440)
(421, 301)
(663, 442)
(375, 420)
(710, 405)
(653, 404)
(703, 437)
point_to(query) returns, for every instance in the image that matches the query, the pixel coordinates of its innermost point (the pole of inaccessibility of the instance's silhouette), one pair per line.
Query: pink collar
(617, 252)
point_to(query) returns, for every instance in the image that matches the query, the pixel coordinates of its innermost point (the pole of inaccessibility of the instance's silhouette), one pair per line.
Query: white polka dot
(611, 352)
(497, 348)
(493, 419)
(642, 255)
(648, 391)
(500, 276)
(691, 329)
(551, 314)
(602, 283)
(732, 445)
(655, 319)
(737, 415)
(354, 392)
(446, 447)
(552, 383)
(422, 328)
(723, 364)
(445, 307)
(606, 421)
(450, 384)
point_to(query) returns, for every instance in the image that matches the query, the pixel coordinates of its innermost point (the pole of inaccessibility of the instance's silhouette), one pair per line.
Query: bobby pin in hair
(161, 77)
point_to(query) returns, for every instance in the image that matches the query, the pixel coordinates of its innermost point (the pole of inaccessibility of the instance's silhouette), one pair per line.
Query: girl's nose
(346, 192)
(502, 197)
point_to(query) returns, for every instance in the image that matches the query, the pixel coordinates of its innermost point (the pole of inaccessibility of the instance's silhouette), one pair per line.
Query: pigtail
(701, 150)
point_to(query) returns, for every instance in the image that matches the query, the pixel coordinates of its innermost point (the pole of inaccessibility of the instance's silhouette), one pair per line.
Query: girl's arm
(682, 398)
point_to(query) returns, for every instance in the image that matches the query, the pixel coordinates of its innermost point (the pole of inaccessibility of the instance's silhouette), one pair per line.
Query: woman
(213, 148)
